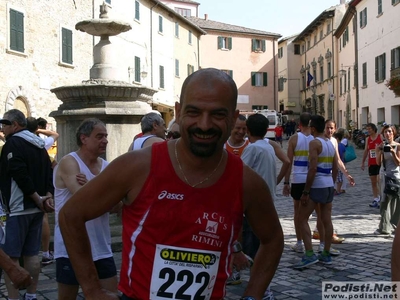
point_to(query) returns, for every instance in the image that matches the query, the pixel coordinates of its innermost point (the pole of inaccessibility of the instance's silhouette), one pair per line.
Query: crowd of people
(196, 199)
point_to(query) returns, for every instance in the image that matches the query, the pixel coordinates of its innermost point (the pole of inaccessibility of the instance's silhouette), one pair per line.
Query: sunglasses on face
(173, 135)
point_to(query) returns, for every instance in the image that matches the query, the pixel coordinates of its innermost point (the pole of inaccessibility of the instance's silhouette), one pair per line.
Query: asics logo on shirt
(170, 196)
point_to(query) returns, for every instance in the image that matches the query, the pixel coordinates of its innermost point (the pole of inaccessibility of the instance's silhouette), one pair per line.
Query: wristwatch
(247, 298)
(237, 247)
(306, 193)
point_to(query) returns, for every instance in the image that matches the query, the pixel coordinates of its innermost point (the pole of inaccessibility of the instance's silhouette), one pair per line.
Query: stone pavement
(364, 256)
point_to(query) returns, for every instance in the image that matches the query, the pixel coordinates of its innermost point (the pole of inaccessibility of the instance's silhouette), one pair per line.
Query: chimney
(206, 17)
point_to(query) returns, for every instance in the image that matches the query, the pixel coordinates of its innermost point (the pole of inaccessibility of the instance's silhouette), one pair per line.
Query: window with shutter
(395, 58)
(348, 79)
(190, 37)
(176, 67)
(137, 69)
(176, 29)
(258, 45)
(364, 74)
(162, 83)
(66, 37)
(16, 31)
(137, 10)
(380, 67)
(160, 24)
(380, 7)
(259, 78)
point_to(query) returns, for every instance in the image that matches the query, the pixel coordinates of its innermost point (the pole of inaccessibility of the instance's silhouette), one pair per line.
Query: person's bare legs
(304, 213)
(31, 264)
(320, 225)
(326, 219)
(110, 284)
(70, 292)
(297, 229)
(45, 233)
(375, 185)
(67, 292)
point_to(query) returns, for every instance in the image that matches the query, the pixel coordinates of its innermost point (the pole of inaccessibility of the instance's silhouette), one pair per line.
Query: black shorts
(296, 190)
(66, 275)
(322, 195)
(374, 170)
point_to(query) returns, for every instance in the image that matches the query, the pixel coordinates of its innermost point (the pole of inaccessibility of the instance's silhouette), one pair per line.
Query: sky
(286, 17)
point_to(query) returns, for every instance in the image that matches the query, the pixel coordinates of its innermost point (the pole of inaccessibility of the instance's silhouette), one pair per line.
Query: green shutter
(253, 78)
(376, 68)
(365, 16)
(392, 59)
(265, 78)
(253, 45)
(137, 10)
(229, 43)
(361, 19)
(230, 73)
(176, 67)
(160, 24)
(384, 66)
(263, 46)
(162, 83)
(16, 30)
(66, 56)
(220, 42)
(137, 69)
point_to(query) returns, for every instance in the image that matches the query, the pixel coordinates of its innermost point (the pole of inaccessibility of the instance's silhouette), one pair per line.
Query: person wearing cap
(27, 189)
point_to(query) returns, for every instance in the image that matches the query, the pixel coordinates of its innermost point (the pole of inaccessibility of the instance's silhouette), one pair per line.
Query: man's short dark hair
(42, 123)
(372, 126)
(338, 135)
(257, 125)
(318, 122)
(305, 119)
(31, 124)
(86, 128)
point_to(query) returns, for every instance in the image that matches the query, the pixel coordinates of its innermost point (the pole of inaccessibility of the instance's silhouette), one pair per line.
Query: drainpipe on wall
(306, 76)
(275, 77)
(356, 68)
(333, 72)
(151, 43)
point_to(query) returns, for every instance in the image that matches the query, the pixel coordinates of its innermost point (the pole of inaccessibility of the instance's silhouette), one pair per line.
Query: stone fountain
(105, 96)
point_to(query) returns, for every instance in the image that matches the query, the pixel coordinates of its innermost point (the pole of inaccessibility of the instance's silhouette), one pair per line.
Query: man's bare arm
(67, 174)
(263, 219)
(290, 154)
(18, 275)
(94, 199)
(49, 133)
(365, 153)
(283, 158)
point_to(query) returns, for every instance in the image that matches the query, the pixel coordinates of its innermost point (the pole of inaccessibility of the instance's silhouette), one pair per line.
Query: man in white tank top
(153, 129)
(74, 170)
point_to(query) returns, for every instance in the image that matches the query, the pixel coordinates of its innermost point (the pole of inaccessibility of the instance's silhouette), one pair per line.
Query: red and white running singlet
(177, 239)
(371, 149)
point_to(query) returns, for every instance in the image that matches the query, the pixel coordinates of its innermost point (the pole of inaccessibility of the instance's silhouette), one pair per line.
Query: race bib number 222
(183, 273)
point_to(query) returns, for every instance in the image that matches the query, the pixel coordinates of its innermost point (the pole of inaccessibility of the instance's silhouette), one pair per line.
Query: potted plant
(394, 84)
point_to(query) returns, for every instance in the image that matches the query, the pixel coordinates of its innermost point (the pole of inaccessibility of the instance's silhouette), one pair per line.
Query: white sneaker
(332, 251)
(299, 248)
